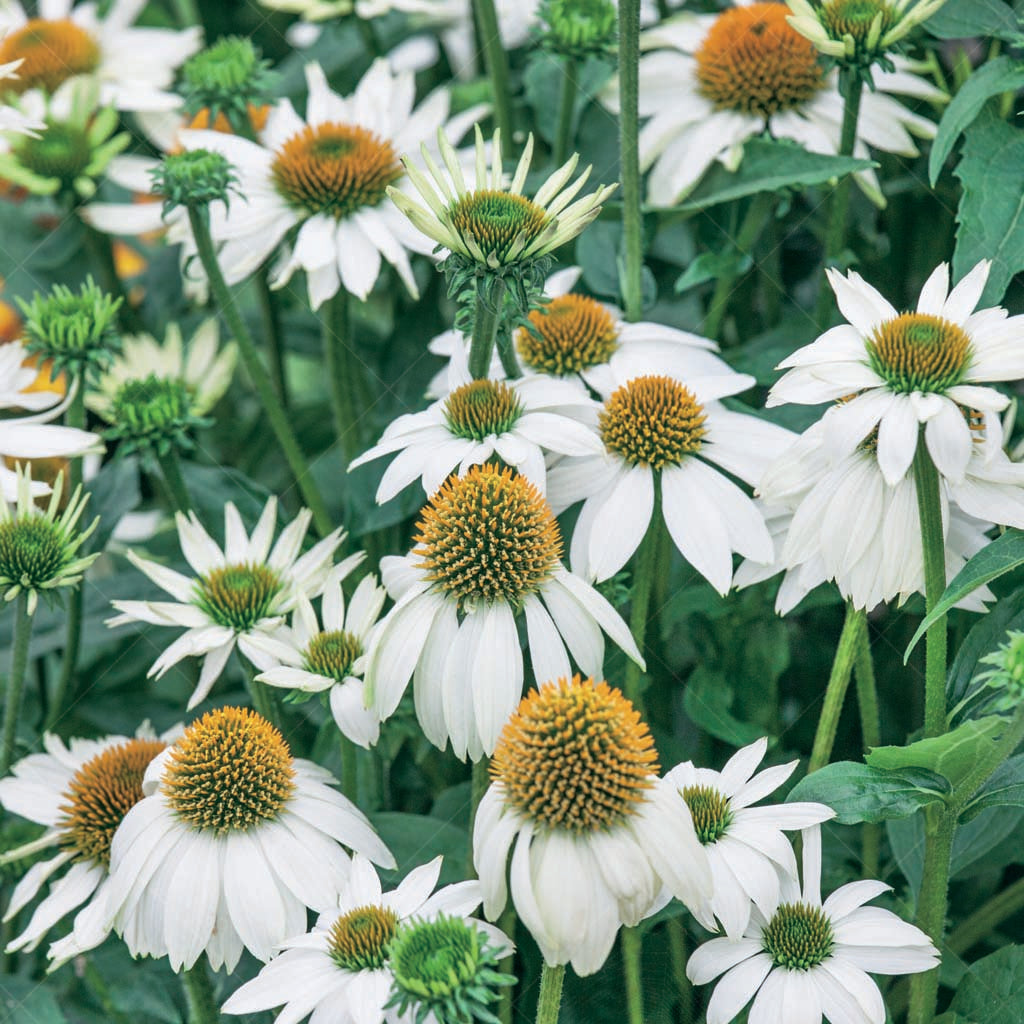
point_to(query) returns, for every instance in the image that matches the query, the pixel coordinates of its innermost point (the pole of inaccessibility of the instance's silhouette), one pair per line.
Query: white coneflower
(231, 843)
(12, 119)
(594, 833)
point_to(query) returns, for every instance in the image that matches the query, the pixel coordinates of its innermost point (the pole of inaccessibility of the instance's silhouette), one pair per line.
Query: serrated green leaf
(1001, 75)
(952, 756)
(990, 219)
(859, 792)
(1005, 788)
(1003, 555)
(963, 19)
(770, 165)
(993, 989)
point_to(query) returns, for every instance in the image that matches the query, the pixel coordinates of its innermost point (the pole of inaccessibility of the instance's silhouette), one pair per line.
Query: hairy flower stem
(479, 781)
(852, 88)
(349, 769)
(341, 370)
(485, 327)
(270, 316)
(871, 736)
(170, 470)
(550, 1001)
(507, 354)
(631, 272)
(497, 67)
(644, 576)
(632, 950)
(758, 213)
(507, 923)
(929, 507)
(854, 625)
(202, 1006)
(566, 109)
(276, 413)
(16, 680)
(678, 957)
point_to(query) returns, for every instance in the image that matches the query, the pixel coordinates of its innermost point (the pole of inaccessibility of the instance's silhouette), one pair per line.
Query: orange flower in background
(10, 330)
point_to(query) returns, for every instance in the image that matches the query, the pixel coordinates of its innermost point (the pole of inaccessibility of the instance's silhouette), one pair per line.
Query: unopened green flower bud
(579, 28)
(194, 179)
(154, 414)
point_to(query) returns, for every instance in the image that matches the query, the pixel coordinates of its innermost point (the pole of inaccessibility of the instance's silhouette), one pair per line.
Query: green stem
(871, 736)
(496, 61)
(100, 251)
(485, 327)
(271, 318)
(678, 956)
(188, 13)
(854, 624)
(480, 779)
(550, 1000)
(753, 223)
(202, 1006)
(629, 154)
(507, 923)
(632, 950)
(170, 470)
(647, 570)
(566, 109)
(16, 680)
(507, 354)
(341, 369)
(369, 35)
(987, 918)
(929, 508)
(276, 413)
(264, 700)
(349, 770)
(835, 233)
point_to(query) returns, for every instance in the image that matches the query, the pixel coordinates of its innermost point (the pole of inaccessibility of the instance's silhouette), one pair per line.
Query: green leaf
(23, 1001)
(953, 755)
(859, 792)
(709, 266)
(1001, 75)
(993, 989)
(708, 700)
(985, 635)
(962, 19)
(991, 215)
(415, 839)
(770, 165)
(1005, 788)
(113, 493)
(1003, 555)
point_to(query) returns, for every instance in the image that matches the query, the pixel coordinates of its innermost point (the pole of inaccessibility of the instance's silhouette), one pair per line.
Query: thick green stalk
(871, 736)
(629, 156)
(550, 1000)
(485, 328)
(341, 370)
(933, 539)
(202, 1006)
(16, 680)
(632, 949)
(835, 233)
(507, 923)
(854, 625)
(757, 215)
(647, 571)
(566, 109)
(480, 779)
(349, 770)
(170, 470)
(678, 956)
(496, 61)
(270, 316)
(507, 354)
(276, 413)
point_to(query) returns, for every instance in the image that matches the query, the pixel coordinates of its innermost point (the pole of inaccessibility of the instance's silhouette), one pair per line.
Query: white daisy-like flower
(517, 421)
(332, 659)
(668, 447)
(489, 552)
(134, 66)
(835, 518)
(715, 81)
(33, 436)
(328, 176)
(80, 791)
(899, 371)
(202, 368)
(588, 343)
(594, 833)
(492, 223)
(746, 845)
(241, 594)
(12, 119)
(339, 971)
(805, 959)
(233, 840)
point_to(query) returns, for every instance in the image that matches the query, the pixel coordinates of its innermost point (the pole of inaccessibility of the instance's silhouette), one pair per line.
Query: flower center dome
(499, 224)
(855, 17)
(51, 52)
(332, 654)
(575, 756)
(798, 937)
(62, 151)
(570, 334)
(653, 421)
(230, 771)
(101, 793)
(152, 406)
(488, 536)
(238, 596)
(33, 550)
(335, 169)
(752, 61)
(710, 810)
(482, 408)
(359, 940)
(919, 352)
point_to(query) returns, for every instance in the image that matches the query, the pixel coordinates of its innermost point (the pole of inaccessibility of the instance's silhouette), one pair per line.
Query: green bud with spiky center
(77, 330)
(578, 28)
(446, 968)
(154, 414)
(228, 78)
(194, 179)
(1001, 688)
